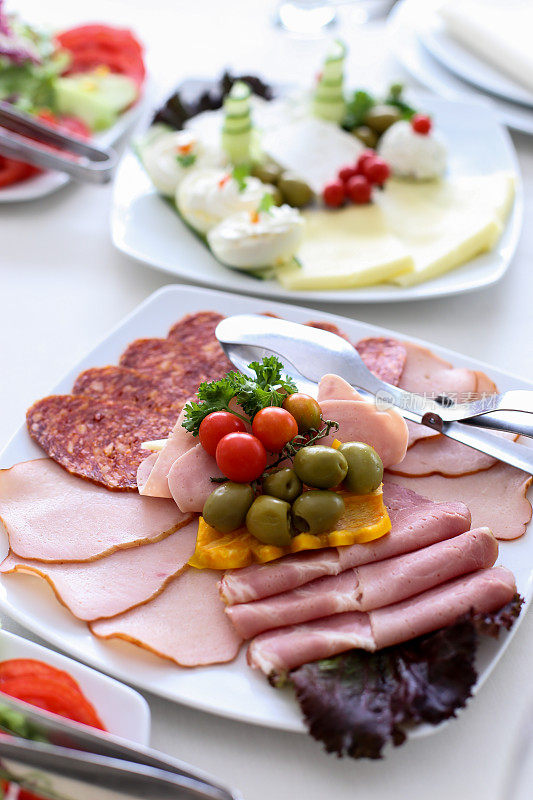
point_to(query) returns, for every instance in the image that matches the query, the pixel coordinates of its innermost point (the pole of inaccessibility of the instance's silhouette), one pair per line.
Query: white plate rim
(192, 293)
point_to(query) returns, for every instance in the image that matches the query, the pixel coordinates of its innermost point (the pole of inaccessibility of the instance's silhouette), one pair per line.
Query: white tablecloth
(63, 286)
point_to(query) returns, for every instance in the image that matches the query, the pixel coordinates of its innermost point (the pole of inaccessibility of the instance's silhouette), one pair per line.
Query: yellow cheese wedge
(345, 248)
(443, 224)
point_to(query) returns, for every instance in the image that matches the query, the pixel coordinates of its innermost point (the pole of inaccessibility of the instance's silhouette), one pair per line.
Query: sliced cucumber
(237, 124)
(237, 131)
(237, 145)
(328, 101)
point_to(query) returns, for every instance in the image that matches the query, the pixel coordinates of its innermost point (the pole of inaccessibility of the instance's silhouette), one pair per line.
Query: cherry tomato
(376, 170)
(346, 173)
(359, 190)
(241, 457)
(305, 411)
(361, 161)
(217, 425)
(274, 427)
(333, 194)
(421, 123)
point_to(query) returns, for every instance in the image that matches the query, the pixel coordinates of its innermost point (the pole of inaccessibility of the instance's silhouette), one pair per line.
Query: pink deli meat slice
(185, 623)
(286, 648)
(50, 515)
(416, 523)
(427, 374)
(156, 483)
(371, 586)
(444, 456)
(111, 585)
(495, 497)
(418, 432)
(190, 481)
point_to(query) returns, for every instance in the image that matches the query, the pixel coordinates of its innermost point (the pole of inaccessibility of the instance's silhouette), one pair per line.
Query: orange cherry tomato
(274, 427)
(305, 411)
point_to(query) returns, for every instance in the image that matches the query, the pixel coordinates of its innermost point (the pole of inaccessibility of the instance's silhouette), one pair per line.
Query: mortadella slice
(444, 456)
(416, 522)
(189, 479)
(111, 585)
(286, 648)
(156, 483)
(185, 623)
(496, 497)
(370, 586)
(51, 515)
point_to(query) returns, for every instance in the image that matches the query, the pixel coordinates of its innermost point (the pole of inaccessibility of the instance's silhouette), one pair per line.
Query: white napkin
(499, 31)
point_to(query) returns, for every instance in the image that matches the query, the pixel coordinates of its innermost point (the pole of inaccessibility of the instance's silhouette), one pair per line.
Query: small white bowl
(123, 711)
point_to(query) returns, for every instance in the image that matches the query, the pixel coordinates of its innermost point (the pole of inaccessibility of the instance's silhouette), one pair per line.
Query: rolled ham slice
(286, 648)
(185, 623)
(111, 585)
(155, 483)
(50, 515)
(189, 479)
(444, 456)
(495, 497)
(416, 522)
(369, 587)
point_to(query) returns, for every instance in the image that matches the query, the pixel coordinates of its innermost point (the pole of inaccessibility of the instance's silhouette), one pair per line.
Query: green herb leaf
(395, 98)
(267, 201)
(357, 109)
(240, 173)
(186, 159)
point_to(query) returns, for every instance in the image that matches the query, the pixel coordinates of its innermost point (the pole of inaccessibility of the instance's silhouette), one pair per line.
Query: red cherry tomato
(346, 173)
(305, 411)
(421, 123)
(241, 457)
(361, 161)
(274, 427)
(359, 190)
(376, 170)
(215, 426)
(333, 194)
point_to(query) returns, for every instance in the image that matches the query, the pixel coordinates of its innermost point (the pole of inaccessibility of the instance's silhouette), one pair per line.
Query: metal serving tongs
(309, 353)
(80, 160)
(76, 752)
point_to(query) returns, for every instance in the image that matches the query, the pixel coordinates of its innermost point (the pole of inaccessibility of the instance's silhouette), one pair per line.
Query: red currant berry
(421, 123)
(346, 173)
(376, 170)
(333, 194)
(359, 190)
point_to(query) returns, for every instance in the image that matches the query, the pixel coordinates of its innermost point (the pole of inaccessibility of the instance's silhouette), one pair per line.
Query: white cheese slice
(312, 148)
(443, 224)
(346, 248)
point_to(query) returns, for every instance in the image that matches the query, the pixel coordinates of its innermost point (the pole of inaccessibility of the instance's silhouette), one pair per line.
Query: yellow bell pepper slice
(365, 518)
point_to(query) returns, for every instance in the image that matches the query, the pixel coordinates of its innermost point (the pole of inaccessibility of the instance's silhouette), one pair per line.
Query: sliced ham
(333, 387)
(444, 456)
(495, 497)
(116, 583)
(368, 587)
(416, 523)
(189, 479)
(417, 432)
(287, 648)
(144, 469)
(426, 373)
(50, 515)
(156, 482)
(185, 623)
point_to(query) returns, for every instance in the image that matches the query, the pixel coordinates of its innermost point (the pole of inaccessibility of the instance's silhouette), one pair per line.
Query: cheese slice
(346, 248)
(443, 224)
(312, 148)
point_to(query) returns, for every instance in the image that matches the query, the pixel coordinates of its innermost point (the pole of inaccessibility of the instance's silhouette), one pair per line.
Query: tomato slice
(92, 46)
(72, 126)
(86, 60)
(29, 667)
(85, 36)
(12, 171)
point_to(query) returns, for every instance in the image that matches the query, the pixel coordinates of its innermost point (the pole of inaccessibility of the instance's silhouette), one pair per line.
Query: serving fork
(309, 353)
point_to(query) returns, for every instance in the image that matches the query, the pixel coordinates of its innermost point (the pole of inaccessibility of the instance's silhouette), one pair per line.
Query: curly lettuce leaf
(358, 702)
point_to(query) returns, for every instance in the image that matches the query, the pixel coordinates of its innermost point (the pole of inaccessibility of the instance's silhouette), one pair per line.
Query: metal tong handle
(96, 165)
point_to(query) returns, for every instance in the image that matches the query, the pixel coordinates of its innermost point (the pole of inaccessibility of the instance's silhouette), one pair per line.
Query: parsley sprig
(269, 388)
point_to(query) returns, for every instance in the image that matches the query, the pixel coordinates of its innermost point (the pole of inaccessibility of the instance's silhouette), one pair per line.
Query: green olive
(320, 466)
(283, 484)
(269, 520)
(366, 135)
(295, 191)
(365, 467)
(317, 511)
(268, 172)
(276, 194)
(225, 509)
(381, 117)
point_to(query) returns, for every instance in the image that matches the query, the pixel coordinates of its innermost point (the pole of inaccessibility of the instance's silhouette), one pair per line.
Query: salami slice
(384, 357)
(99, 440)
(127, 386)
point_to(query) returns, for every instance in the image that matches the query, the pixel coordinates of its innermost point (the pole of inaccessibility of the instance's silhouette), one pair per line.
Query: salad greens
(362, 102)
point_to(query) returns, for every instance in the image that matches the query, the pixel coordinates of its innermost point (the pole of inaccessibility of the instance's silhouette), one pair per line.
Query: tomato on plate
(217, 425)
(12, 171)
(48, 688)
(305, 410)
(92, 46)
(71, 126)
(274, 427)
(241, 457)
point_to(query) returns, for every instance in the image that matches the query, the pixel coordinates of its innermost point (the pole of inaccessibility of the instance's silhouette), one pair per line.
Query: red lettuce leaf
(358, 702)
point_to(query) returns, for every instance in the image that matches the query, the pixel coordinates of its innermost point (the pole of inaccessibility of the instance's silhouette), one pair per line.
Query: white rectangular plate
(231, 690)
(145, 227)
